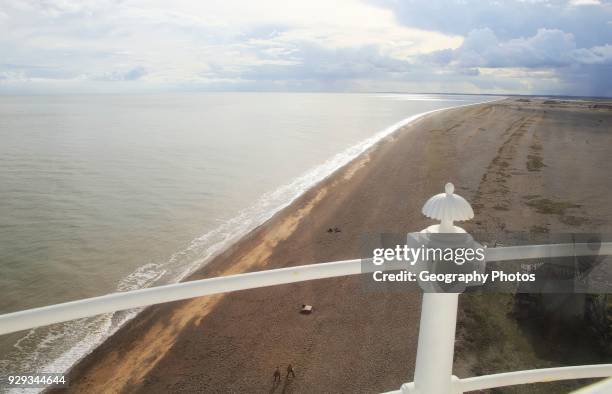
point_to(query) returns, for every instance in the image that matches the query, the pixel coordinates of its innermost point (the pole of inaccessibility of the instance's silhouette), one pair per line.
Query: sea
(111, 193)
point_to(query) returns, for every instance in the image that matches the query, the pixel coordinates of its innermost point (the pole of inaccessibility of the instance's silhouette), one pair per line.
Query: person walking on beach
(290, 371)
(277, 375)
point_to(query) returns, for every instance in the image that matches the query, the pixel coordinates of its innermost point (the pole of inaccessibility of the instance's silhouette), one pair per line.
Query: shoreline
(298, 186)
(213, 267)
(401, 170)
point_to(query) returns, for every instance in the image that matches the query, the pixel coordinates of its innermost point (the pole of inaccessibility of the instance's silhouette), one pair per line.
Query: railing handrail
(535, 376)
(527, 376)
(528, 252)
(42, 316)
(36, 317)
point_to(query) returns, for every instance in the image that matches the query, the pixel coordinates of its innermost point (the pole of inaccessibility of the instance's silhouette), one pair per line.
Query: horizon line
(135, 93)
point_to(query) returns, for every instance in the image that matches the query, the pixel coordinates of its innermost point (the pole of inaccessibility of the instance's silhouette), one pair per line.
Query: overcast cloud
(538, 46)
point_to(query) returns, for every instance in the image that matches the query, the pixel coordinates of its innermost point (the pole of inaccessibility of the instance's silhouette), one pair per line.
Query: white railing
(114, 302)
(37, 317)
(433, 371)
(521, 377)
(43, 316)
(534, 376)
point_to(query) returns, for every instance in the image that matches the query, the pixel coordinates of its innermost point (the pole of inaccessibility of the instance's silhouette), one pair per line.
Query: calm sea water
(111, 193)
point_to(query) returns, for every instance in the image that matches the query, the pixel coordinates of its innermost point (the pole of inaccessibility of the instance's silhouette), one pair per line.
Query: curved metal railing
(46, 315)
(37, 317)
(522, 377)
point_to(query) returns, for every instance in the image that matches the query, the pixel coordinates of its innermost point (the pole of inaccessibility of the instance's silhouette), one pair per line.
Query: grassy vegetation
(573, 220)
(547, 206)
(534, 163)
(491, 340)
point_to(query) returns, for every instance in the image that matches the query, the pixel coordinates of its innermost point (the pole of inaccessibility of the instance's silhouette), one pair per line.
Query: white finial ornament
(448, 207)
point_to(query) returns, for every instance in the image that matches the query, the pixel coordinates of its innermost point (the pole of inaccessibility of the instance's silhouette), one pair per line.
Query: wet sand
(499, 156)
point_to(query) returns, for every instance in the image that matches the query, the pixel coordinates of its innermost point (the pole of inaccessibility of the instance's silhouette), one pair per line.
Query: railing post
(436, 347)
(434, 363)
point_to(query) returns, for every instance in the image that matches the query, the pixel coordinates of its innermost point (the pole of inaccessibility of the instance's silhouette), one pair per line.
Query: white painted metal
(448, 207)
(525, 377)
(46, 315)
(434, 362)
(43, 316)
(433, 370)
(546, 251)
(436, 347)
(535, 376)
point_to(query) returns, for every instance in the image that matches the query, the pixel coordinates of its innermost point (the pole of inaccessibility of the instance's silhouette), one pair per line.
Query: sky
(454, 46)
